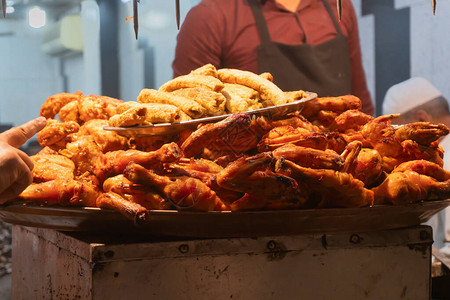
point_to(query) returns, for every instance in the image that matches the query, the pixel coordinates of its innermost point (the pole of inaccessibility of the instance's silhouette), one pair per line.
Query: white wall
(27, 76)
(430, 42)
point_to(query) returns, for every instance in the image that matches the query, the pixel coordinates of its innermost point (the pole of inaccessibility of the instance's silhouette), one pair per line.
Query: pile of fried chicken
(328, 155)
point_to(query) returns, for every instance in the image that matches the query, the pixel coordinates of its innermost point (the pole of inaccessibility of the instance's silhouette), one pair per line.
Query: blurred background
(52, 46)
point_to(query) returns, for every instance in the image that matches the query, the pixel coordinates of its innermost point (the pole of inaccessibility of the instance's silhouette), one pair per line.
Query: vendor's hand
(15, 165)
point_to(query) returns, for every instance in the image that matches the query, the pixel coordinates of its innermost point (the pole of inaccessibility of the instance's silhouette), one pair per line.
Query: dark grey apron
(324, 68)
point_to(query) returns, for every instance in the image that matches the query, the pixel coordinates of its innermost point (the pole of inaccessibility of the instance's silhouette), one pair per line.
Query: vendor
(300, 42)
(15, 165)
(417, 100)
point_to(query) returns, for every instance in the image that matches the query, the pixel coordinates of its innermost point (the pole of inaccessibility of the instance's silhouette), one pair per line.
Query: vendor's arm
(15, 165)
(199, 41)
(359, 84)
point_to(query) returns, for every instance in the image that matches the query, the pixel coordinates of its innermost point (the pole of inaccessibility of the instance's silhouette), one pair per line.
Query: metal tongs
(4, 8)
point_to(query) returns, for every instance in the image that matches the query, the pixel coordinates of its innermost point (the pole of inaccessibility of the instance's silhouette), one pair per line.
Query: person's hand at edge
(15, 165)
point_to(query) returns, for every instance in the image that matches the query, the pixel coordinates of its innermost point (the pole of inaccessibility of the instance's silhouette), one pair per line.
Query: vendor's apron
(323, 68)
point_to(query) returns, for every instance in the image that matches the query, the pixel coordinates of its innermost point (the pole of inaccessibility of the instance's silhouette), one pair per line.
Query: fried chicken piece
(54, 103)
(309, 157)
(63, 192)
(55, 134)
(350, 154)
(107, 140)
(46, 151)
(84, 152)
(410, 187)
(270, 93)
(365, 164)
(252, 175)
(311, 109)
(233, 134)
(240, 98)
(325, 118)
(423, 133)
(188, 106)
(424, 167)
(149, 143)
(192, 80)
(351, 136)
(220, 157)
(350, 120)
(379, 129)
(282, 135)
(136, 193)
(69, 112)
(97, 107)
(185, 193)
(206, 171)
(49, 167)
(131, 210)
(294, 119)
(113, 163)
(332, 188)
(213, 102)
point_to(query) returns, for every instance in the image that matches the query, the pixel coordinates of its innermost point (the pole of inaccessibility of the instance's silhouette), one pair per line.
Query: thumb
(17, 136)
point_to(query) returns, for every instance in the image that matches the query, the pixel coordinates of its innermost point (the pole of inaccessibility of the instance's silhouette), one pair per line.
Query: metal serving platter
(173, 128)
(173, 223)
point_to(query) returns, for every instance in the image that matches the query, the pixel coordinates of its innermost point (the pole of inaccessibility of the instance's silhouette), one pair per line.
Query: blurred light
(156, 20)
(125, 1)
(10, 10)
(9, 3)
(36, 17)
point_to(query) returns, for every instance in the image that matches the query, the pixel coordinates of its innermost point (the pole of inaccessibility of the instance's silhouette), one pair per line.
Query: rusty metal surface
(224, 224)
(171, 128)
(389, 264)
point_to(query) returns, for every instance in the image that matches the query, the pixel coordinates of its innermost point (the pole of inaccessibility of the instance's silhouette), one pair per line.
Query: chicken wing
(332, 188)
(184, 193)
(309, 157)
(107, 140)
(410, 187)
(56, 135)
(131, 210)
(54, 103)
(311, 109)
(282, 135)
(63, 192)
(136, 193)
(113, 163)
(51, 166)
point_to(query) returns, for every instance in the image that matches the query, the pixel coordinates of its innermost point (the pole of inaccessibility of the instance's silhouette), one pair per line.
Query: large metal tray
(224, 224)
(173, 128)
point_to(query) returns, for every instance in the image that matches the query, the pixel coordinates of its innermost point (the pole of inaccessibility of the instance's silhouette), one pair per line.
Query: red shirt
(224, 33)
